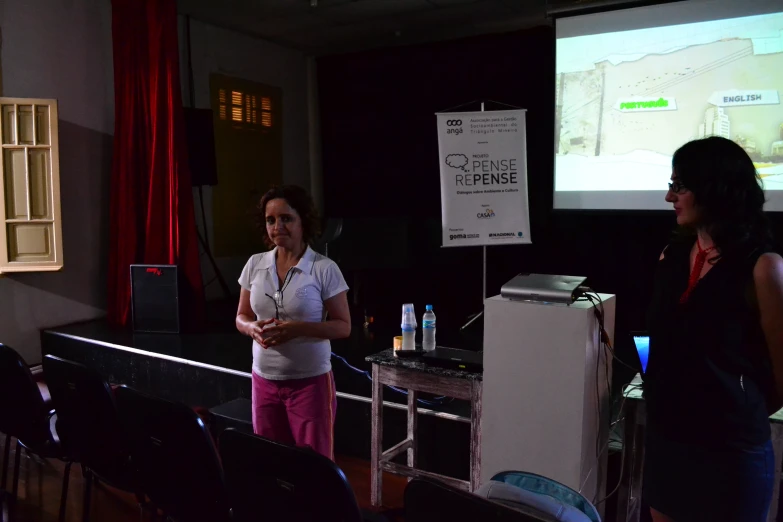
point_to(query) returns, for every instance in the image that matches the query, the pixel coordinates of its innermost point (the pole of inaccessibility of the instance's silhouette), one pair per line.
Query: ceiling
(331, 26)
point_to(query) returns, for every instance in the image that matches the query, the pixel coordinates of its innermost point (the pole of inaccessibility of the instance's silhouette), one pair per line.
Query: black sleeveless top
(708, 370)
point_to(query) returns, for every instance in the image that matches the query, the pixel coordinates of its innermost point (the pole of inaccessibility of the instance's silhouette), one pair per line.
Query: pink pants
(297, 412)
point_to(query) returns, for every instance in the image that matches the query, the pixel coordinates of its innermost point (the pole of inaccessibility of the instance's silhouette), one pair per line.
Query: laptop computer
(455, 359)
(641, 341)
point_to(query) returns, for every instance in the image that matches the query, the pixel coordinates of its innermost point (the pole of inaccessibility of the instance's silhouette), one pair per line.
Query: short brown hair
(300, 201)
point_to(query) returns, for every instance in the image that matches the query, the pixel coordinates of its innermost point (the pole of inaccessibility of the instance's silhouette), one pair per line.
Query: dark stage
(212, 368)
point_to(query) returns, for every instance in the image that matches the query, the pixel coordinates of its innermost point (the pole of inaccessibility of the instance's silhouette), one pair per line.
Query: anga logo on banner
(483, 178)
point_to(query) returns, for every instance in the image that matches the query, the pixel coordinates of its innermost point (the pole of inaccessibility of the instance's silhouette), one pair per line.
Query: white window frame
(52, 189)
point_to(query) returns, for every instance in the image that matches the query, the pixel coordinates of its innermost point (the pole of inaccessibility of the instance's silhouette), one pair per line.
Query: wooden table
(416, 376)
(629, 500)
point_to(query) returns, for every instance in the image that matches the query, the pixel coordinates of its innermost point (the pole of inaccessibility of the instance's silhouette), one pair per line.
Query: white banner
(483, 178)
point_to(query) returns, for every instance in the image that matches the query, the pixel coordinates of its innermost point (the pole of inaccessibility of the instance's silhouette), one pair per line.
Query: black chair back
(429, 501)
(174, 456)
(272, 482)
(23, 413)
(88, 422)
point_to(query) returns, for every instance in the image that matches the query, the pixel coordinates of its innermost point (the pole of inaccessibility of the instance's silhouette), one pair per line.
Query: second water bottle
(428, 329)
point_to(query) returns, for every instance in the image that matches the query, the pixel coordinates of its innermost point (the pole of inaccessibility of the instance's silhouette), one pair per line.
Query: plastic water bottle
(408, 327)
(428, 329)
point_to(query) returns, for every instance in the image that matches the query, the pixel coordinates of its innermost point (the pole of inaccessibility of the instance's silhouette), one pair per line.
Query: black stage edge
(213, 368)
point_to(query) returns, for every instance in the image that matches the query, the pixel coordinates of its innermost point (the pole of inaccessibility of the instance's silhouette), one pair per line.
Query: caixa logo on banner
(487, 214)
(454, 123)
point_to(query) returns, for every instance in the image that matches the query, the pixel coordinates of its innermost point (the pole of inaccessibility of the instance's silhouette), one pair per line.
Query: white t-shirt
(312, 281)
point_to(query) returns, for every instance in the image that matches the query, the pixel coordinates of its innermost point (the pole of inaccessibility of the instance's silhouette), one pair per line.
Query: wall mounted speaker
(200, 137)
(155, 303)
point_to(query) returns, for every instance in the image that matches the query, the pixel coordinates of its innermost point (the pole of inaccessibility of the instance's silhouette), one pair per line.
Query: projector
(543, 287)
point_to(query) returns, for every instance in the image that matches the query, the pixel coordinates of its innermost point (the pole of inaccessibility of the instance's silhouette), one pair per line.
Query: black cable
(204, 240)
(437, 401)
(602, 340)
(598, 302)
(620, 417)
(605, 342)
(215, 268)
(623, 453)
(203, 216)
(598, 402)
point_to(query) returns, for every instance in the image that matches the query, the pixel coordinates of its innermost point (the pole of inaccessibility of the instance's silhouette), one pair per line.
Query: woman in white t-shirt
(285, 298)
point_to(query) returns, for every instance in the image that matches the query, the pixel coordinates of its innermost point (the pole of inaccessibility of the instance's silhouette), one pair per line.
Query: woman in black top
(715, 371)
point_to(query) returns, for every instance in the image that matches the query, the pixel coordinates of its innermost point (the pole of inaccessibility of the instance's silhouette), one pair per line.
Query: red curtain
(151, 214)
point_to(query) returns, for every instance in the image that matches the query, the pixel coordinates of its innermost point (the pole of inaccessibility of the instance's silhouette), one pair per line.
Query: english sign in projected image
(627, 99)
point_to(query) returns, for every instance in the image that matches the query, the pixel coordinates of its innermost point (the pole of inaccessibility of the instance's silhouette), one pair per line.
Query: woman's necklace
(698, 266)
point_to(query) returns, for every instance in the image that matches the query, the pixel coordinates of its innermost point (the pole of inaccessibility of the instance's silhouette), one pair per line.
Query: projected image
(627, 100)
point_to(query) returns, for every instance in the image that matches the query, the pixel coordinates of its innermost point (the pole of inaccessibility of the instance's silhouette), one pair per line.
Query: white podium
(546, 404)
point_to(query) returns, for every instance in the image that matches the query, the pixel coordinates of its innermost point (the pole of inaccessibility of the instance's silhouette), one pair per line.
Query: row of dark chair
(162, 452)
(26, 414)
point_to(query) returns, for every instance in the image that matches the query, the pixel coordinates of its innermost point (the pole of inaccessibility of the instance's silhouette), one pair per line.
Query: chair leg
(28, 463)
(64, 494)
(40, 462)
(88, 477)
(17, 462)
(5, 508)
(6, 456)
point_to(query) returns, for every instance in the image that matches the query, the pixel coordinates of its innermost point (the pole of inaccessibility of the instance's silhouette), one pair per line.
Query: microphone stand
(474, 317)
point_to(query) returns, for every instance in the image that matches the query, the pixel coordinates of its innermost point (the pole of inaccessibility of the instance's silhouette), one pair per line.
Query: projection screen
(634, 85)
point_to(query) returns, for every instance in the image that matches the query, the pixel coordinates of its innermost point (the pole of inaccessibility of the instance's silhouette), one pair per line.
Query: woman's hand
(282, 332)
(246, 321)
(255, 329)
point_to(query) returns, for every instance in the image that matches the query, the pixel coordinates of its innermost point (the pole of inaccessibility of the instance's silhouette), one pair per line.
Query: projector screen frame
(601, 6)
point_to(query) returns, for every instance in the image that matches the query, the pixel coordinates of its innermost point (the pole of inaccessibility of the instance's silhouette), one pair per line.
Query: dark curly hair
(727, 190)
(300, 201)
